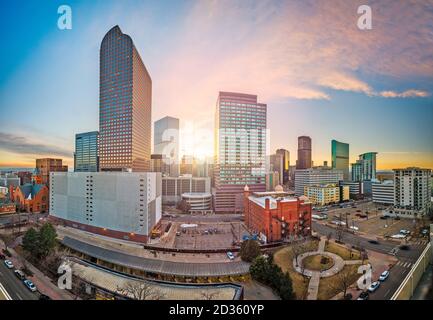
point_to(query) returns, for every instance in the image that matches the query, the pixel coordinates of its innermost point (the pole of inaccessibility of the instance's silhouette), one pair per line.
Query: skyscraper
(166, 142)
(125, 98)
(365, 167)
(240, 149)
(45, 166)
(286, 164)
(304, 153)
(340, 157)
(86, 152)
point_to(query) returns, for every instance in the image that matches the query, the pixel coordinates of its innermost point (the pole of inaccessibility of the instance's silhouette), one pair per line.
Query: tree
(47, 239)
(250, 249)
(140, 291)
(298, 248)
(183, 206)
(31, 242)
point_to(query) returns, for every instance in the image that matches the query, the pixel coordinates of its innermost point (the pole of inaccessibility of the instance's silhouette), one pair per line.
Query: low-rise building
(383, 192)
(316, 176)
(275, 216)
(174, 187)
(198, 202)
(326, 194)
(30, 197)
(123, 205)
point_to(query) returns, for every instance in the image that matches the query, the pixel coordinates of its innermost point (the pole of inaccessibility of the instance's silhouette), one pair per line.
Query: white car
(373, 287)
(404, 231)
(398, 236)
(339, 223)
(30, 285)
(354, 228)
(384, 275)
(9, 264)
(230, 255)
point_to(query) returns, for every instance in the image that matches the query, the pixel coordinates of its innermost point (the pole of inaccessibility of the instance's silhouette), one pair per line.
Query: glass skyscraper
(86, 152)
(304, 153)
(166, 143)
(365, 167)
(340, 157)
(240, 149)
(125, 112)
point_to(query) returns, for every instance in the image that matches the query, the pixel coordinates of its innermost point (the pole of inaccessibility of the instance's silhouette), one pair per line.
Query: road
(16, 289)
(406, 258)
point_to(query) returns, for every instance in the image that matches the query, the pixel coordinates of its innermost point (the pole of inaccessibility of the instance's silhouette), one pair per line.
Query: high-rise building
(276, 164)
(316, 176)
(86, 152)
(304, 153)
(166, 142)
(45, 166)
(125, 106)
(159, 164)
(365, 167)
(286, 164)
(412, 193)
(240, 149)
(340, 157)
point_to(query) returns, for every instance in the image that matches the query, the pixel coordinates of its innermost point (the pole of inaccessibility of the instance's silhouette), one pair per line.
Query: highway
(15, 287)
(406, 258)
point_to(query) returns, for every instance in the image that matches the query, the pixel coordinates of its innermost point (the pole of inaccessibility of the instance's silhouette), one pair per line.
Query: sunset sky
(318, 73)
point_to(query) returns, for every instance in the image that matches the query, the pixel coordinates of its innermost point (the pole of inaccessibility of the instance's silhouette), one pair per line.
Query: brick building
(46, 165)
(30, 197)
(277, 216)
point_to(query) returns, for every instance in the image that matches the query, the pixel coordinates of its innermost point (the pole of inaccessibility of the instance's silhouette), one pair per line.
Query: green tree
(31, 242)
(250, 249)
(47, 239)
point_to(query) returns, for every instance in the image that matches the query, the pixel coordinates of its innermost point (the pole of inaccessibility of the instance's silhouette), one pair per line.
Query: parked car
(9, 264)
(384, 275)
(44, 297)
(398, 236)
(230, 255)
(20, 275)
(363, 296)
(373, 287)
(30, 285)
(354, 228)
(404, 231)
(404, 247)
(425, 232)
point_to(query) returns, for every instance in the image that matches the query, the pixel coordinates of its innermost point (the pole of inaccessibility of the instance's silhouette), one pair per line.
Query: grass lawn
(342, 251)
(318, 262)
(284, 259)
(328, 287)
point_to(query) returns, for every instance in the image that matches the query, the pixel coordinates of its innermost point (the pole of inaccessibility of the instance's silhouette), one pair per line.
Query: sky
(318, 73)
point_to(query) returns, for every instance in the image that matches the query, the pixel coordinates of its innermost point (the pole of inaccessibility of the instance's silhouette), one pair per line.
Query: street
(406, 258)
(15, 287)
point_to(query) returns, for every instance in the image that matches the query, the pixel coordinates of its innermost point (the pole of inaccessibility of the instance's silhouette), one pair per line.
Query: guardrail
(407, 287)
(4, 292)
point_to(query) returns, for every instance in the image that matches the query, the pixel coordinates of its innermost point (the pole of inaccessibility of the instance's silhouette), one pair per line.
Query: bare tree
(298, 248)
(140, 291)
(342, 282)
(328, 237)
(209, 295)
(339, 232)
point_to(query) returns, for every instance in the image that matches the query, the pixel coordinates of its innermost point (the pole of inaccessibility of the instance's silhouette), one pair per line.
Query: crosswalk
(420, 242)
(404, 264)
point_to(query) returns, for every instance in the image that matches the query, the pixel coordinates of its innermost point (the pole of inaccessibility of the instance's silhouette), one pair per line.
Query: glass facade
(304, 153)
(365, 168)
(125, 106)
(340, 157)
(86, 152)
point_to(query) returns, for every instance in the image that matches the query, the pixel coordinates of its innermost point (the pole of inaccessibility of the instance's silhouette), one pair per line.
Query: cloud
(22, 145)
(405, 94)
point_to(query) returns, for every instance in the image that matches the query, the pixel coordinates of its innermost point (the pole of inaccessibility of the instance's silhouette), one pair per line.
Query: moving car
(373, 241)
(354, 228)
(230, 255)
(384, 275)
(9, 264)
(363, 296)
(373, 287)
(30, 285)
(398, 236)
(20, 274)
(404, 231)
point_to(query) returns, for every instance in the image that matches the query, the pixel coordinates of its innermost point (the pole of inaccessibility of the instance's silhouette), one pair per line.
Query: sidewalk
(42, 282)
(424, 286)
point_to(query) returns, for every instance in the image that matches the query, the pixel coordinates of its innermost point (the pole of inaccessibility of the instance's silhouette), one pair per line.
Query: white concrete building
(412, 195)
(383, 192)
(199, 202)
(125, 205)
(316, 176)
(174, 187)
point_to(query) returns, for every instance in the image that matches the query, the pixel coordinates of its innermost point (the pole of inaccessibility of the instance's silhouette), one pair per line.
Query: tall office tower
(45, 166)
(240, 149)
(286, 165)
(412, 193)
(125, 106)
(276, 164)
(304, 153)
(340, 157)
(365, 167)
(166, 142)
(86, 152)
